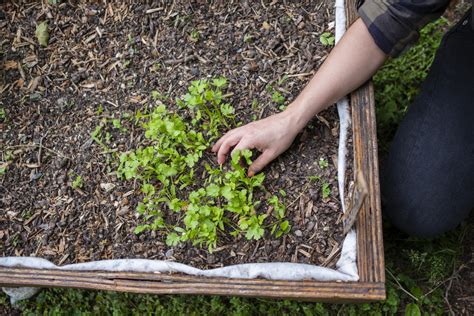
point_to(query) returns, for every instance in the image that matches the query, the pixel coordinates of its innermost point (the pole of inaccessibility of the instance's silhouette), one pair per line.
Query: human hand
(271, 136)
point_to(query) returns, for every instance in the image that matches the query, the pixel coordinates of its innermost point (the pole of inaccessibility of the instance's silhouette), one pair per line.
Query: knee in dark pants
(428, 178)
(422, 220)
(420, 211)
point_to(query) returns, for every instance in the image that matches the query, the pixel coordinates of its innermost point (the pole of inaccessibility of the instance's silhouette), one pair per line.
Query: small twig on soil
(401, 287)
(111, 103)
(453, 276)
(299, 196)
(262, 111)
(149, 11)
(42, 147)
(448, 288)
(334, 252)
(180, 60)
(255, 250)
(304, 74)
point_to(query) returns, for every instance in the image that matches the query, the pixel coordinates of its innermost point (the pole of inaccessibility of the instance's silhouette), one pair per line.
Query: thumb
(260, 163)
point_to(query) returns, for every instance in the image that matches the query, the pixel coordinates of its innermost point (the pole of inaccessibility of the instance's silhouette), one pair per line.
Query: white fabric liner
(346, 267)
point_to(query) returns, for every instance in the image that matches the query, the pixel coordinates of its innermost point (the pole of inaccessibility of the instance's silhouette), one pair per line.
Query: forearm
(351, 63)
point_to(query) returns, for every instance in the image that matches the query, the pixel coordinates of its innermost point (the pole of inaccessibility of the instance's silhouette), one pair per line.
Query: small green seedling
(278, 98)
(194, 36)
(327, 39)
(96, 134)
(314, 179)
(254, 104)
(2, 114)
(325, 190)
(156, 67)
(77, 182)
(323, 163)
(116, 123)
(282, 80)
(100, 110)
(155, 95)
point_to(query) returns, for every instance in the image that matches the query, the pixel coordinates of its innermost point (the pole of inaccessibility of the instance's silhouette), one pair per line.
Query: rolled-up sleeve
(394, 25)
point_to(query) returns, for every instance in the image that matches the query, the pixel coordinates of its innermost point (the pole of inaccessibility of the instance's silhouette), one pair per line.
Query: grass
(417, 270)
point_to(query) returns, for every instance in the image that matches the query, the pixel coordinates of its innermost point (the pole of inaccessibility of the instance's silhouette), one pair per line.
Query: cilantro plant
(327, 39)
(326, 190)
(194, 36)
(77, 182)
(323, 163)
(183, 195)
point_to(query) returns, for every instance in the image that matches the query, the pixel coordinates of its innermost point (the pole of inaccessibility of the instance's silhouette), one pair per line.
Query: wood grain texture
(369, 244)
(180, 284)
(369, 222)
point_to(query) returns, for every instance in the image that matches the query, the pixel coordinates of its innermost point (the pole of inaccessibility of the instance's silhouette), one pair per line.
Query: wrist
(297, 117)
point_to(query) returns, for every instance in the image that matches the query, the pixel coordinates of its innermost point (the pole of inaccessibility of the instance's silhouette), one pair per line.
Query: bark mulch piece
(111, 57)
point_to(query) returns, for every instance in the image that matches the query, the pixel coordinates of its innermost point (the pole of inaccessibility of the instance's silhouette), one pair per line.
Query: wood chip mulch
(111, 56)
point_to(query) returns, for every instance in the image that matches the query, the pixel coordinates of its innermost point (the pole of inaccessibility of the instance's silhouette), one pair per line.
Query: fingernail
(250, 173)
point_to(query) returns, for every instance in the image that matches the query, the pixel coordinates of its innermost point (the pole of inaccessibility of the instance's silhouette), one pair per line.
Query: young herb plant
(176, 199)
(323, 163)
(327, 39)
(77, 182)
(325, 190)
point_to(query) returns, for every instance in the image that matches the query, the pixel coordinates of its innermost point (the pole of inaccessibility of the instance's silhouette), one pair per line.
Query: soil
(112, 56)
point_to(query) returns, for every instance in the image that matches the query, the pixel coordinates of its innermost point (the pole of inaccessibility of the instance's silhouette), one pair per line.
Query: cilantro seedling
(167, 165)
(77, 182)
(156, 67)
(100, 110)
(323, 163)
(96, 134)
(325, 190)
(194, 36)
(327, 39)
(278, 98)
(116, 123)
(314, 179)
(248, 38)
(282, 80)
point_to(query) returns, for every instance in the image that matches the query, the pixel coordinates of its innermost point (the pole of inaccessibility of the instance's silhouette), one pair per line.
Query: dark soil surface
(114, 56)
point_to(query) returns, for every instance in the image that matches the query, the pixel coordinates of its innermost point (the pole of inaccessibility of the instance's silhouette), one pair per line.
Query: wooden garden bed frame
(370, 259)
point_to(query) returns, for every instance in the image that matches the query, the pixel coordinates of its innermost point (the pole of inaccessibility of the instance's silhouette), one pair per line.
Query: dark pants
(428, 180)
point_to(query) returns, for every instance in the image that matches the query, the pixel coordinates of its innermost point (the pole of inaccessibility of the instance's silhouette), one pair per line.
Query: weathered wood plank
(369, 223)
(173, 284)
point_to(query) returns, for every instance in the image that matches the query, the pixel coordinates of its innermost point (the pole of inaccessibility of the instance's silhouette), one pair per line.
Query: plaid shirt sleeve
(394, 24)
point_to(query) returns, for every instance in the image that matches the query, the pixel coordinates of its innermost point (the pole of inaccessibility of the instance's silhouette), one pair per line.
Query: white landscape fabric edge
(346, 267)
